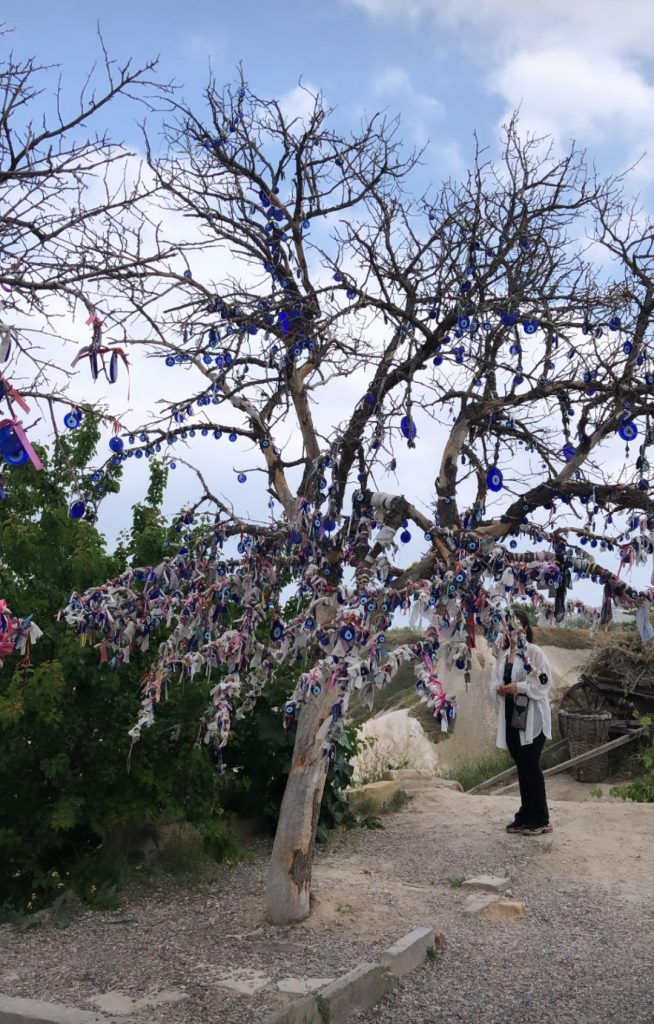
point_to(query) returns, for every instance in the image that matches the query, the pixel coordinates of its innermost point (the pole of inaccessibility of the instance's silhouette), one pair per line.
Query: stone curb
(33, 1011)
(358, 989)
(408, 952)
(363, 986)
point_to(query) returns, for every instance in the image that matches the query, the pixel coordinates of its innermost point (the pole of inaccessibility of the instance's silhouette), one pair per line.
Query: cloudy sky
(581, 69)
(576, 68)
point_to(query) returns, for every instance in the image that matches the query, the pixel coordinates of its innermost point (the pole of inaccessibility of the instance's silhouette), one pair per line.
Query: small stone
(487, 883)
(118, 1003)
(113, 1002)
(248, 983)
(504, 910)
(476, 902)
(448, 784)
(302, 986)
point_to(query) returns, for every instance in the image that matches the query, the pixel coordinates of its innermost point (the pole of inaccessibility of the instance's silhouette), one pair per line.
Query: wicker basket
(586, 729)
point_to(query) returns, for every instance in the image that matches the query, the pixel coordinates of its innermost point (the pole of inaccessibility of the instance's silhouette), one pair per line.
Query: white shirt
(539, 716)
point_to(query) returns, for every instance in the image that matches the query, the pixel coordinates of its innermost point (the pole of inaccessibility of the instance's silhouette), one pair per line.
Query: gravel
(572, 958)
(167, 936)
(583, 952)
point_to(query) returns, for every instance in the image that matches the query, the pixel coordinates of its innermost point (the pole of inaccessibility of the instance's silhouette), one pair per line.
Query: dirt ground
(173, 955)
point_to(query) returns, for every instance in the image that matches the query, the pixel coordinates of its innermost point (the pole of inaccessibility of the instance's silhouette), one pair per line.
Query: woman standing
(521, 679)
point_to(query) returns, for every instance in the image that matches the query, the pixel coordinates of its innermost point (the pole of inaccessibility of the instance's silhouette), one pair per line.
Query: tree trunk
(288, 887)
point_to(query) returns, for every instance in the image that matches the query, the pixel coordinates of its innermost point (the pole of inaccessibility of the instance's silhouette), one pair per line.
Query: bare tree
(72, 222)
(485, 308)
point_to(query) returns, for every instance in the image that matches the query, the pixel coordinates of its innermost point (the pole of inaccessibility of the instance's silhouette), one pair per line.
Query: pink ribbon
(14, 395)
(22, 437)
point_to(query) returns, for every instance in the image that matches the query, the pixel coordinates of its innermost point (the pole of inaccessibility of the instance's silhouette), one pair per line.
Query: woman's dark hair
(523, 619)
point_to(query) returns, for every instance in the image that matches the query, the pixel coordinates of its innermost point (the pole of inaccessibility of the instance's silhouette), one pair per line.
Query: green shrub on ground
(641, 789)
(397, 802)
(472, 771)
(69, 797)
(66, 790)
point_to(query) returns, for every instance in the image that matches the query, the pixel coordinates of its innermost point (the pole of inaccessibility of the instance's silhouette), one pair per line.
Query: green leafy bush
(66, 789)
(70, 803)
(641, 789)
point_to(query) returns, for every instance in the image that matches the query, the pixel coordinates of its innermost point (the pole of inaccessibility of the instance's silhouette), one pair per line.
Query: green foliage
(640, 790)
(529, 610)
(456, 881)
(74, 796)
(258, 757)
(627, 621)
(64, 777)
(397, 802)
(46, 554)
(471, 772)
(323, 1008)
(70, 796)
(182, 855)
(145, 542)
(364, 814)
(334, 809)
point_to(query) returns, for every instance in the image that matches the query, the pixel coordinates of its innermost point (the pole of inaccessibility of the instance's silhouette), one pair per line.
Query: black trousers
(533, 803)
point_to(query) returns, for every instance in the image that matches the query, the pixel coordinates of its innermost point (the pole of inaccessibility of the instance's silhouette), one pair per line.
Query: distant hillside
(574, 639)
(401, 693)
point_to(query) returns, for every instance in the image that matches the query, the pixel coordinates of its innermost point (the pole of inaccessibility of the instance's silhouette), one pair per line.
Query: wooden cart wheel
(582, 697)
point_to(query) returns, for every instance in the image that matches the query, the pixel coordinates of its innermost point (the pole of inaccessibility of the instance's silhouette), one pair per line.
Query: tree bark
(446, 482)
(288, 887)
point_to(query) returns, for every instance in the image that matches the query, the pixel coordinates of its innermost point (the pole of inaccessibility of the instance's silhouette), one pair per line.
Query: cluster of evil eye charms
(117, 446)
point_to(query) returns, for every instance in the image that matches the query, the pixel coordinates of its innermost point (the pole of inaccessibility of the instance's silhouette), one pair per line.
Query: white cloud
(577, 68)
(565, 91)
(298, 104)
(421, 108)
(597, 26)
(396, 79)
